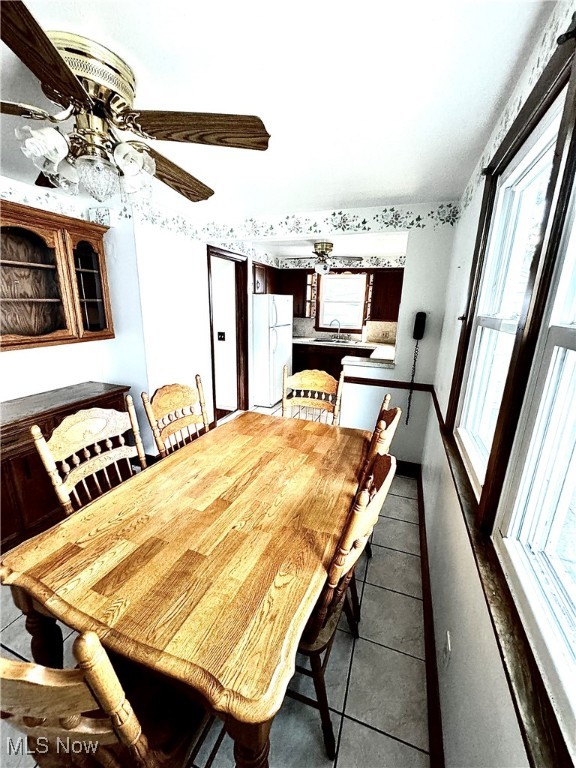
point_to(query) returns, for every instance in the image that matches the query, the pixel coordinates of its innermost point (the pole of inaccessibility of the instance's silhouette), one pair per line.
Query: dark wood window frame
(320, 327)
(542, 736)
(554, 79)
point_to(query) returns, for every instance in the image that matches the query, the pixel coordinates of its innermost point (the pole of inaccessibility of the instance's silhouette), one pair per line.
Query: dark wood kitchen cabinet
(260, 278)
(386, 294)
(324, 358)
(29, 503)
(292, 282)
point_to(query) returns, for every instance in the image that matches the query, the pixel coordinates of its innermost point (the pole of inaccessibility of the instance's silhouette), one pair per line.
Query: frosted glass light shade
(98, 175)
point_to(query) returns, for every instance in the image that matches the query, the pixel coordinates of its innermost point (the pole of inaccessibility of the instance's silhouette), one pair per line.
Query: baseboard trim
(408, 469)
(435, 732)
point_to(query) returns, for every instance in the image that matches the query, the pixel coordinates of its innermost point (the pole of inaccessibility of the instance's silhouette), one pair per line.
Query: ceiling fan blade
(44, 181)
(22, 33)
(23, 110)
(178, 179)
(242, 131)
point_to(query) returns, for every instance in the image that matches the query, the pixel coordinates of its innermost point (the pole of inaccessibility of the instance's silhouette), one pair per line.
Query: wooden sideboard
(29, 504)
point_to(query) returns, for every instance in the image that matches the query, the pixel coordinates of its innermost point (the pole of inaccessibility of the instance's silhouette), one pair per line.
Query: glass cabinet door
(34, 303)
(89, 285)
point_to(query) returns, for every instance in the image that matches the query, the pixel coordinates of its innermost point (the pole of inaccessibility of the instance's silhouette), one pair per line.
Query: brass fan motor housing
(323, 248)
(107, 79)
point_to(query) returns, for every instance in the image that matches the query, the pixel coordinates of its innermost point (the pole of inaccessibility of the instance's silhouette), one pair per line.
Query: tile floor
(376, 683)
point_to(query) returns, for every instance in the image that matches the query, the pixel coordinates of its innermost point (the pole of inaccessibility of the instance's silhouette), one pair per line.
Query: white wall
(173, 274)
(424, 289)
(479, 721)
(116, 361)
(224, 319)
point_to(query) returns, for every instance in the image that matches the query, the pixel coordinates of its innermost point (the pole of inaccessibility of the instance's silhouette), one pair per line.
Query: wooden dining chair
(388, 420)
(82, 717)
(312, 395)
(177, 415)
(90, 447)
(320, 631)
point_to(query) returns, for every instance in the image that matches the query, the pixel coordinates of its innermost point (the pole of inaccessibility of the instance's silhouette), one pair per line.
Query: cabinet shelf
(89, 271)
(33, 264)
(32, 301)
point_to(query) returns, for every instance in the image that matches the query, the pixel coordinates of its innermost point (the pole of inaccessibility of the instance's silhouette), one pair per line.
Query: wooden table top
(207, 565)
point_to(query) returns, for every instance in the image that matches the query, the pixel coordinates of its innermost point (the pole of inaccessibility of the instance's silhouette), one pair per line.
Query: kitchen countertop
(329, 343)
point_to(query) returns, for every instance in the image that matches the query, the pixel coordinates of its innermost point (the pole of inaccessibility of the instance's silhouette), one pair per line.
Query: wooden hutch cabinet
(53, 284)
(29, 503)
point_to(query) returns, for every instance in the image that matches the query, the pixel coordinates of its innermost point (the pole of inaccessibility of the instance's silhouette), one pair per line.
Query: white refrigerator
(272, 345)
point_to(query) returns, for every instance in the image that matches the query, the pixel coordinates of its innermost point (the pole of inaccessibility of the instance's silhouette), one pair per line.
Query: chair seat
(326, 633)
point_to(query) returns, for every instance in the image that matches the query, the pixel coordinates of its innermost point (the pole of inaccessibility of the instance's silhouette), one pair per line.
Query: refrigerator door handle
(275, 311)
(275, 346)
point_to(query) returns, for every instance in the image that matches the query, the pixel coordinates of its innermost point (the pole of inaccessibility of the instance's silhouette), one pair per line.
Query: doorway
(228, 299)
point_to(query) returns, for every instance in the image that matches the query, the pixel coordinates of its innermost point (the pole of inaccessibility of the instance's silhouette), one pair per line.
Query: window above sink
(342, 300)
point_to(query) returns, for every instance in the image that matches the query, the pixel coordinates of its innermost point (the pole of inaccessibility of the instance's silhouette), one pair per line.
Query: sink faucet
(339, 326)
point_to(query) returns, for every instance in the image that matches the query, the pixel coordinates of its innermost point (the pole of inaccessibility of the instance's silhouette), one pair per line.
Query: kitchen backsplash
(376, 331)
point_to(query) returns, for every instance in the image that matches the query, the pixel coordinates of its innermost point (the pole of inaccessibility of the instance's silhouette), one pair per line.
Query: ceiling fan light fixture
(128, 159)
(98, 175)
(42, 145)
(65, 176)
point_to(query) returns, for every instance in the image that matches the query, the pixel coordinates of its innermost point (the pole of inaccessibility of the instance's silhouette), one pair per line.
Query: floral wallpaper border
(240, 237)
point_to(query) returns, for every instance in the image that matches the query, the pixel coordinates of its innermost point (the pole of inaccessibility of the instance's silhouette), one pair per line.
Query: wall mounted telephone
(419, 325)
(418, 334)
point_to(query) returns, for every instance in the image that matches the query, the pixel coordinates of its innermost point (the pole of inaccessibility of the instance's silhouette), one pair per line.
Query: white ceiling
(367, 103)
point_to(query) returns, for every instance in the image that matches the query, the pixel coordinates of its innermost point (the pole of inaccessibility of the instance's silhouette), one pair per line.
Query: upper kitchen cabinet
(260, 278)
(53, 285)
(386, 293)
(293, 282)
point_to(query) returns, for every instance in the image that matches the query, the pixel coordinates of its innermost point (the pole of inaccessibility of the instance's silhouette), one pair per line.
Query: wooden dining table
(205, 566)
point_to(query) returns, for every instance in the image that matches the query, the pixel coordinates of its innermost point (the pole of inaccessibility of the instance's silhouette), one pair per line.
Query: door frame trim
(241, 283)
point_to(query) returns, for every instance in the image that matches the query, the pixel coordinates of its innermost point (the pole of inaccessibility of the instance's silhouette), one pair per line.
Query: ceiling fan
(323, 249)
(95, 88)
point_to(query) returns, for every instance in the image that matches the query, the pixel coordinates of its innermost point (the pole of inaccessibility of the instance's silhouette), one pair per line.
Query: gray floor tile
(8, 611)
(69, 658)
(392, 619)
(361, 567)
(13, 747)
(16, 638)
(404, 486)
(401, 508)
(397, 534)
(361, 747)
(295, 740)
(336, 675)
(388, 691)
(395, 570)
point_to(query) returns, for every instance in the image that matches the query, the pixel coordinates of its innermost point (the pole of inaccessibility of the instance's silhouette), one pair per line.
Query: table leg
(251, 743)
(46, 641)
